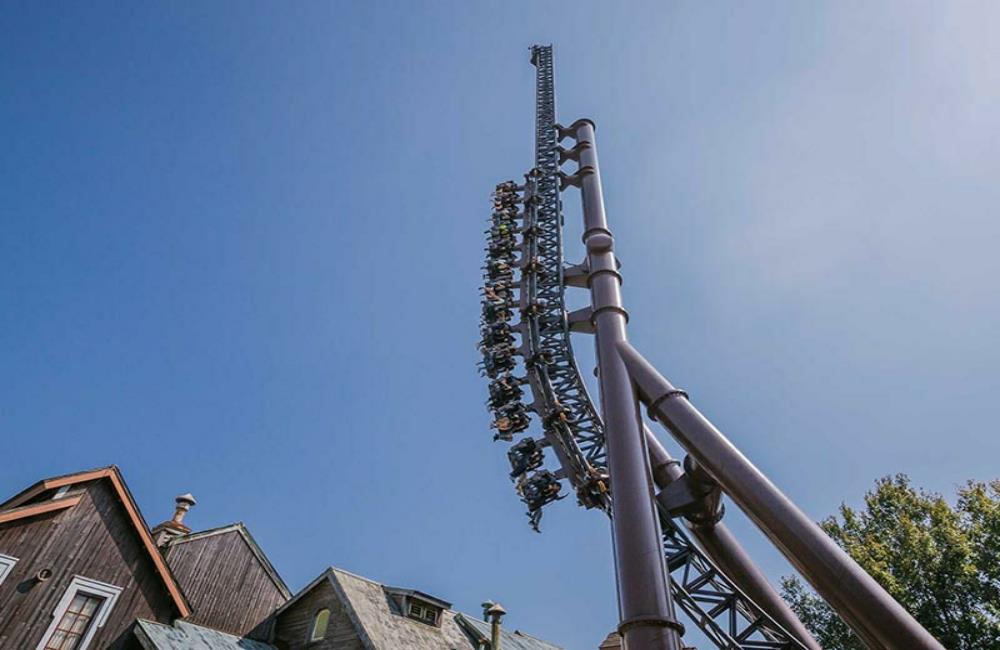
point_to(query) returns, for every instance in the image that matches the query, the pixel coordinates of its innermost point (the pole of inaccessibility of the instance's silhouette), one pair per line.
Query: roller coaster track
(572, 428)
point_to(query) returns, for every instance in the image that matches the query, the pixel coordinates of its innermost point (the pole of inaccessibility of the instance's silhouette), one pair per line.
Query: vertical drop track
(571, 426)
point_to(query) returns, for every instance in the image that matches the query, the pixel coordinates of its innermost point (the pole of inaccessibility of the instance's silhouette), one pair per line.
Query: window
(6, 565)
(320, 623)
(423, 612)
(83, 609)
(75, 622)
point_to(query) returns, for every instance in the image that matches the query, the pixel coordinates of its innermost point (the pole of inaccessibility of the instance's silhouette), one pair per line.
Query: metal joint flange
(660, 621)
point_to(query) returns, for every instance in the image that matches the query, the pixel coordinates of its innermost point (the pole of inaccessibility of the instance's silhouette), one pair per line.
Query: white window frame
(92, 587)
(7, 563)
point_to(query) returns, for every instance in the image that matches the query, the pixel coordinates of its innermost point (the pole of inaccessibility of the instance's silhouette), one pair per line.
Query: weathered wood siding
(294, 625)
(225, 583)
(94, 539)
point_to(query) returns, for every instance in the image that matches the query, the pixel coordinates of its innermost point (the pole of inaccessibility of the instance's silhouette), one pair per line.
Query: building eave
(33, 509)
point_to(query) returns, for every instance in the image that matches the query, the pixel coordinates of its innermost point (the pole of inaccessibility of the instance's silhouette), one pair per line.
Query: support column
(865, 606)
(645, 604)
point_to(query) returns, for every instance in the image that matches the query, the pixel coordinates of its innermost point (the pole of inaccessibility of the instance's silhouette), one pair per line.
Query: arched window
(320, 622)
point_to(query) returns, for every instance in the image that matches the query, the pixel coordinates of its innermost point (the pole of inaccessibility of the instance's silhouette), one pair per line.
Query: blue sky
(241, 246)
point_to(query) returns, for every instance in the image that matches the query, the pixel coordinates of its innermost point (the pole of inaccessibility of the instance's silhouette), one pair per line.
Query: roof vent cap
(184, 503)
(175, 526)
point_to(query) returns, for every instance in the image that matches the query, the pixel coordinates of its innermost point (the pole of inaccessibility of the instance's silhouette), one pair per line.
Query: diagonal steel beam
(871, 612)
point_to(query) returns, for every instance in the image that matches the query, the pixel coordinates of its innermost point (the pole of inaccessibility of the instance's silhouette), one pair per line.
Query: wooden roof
(22, 505)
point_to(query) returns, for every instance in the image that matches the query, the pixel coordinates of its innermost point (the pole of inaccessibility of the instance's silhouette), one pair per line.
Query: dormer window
(416, 605)
(424, 612)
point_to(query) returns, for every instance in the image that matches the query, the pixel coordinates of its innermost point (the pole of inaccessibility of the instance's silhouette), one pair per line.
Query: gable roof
(381, 626)
(187, 636)
(240, 529)
(302, 592)
(21, 501)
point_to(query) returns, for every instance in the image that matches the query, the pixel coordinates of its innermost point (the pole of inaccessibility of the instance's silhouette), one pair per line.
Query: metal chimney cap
(496, 609)
(186, 499)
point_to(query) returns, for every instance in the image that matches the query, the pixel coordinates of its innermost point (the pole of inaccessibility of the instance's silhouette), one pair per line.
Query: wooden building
(81, 570)
(80, 566)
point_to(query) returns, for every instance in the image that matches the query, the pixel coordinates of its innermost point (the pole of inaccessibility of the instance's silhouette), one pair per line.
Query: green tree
(941, 562)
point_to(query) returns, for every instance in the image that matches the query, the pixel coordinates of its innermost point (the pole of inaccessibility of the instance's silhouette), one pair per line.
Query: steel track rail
(571, 425)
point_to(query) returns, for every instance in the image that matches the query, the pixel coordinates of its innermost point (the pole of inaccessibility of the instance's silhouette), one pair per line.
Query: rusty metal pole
(645, 604)
(496, 613)
(868, 609)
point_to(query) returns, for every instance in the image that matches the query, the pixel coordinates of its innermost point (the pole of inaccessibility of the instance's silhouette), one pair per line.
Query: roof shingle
(381, 628)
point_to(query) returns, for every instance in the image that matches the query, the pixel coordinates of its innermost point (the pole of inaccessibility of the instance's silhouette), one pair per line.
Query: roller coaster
(672, 550)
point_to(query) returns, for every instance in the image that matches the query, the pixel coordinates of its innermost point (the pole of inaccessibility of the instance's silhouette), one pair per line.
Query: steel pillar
(645, 604)
(728, 554)
(873, 614)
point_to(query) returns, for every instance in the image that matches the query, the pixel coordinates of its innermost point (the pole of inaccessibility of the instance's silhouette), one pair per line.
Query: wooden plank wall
(93, 539)
(227, 587)
(294, 625)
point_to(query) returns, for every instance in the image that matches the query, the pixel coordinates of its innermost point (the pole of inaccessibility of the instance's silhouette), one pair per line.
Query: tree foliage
(941, 562)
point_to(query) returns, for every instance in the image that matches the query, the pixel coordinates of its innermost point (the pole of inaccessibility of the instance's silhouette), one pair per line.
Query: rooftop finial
(175, 526)
(184, 503)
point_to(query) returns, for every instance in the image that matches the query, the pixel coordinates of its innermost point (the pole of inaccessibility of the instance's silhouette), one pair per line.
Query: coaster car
(524, 457)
